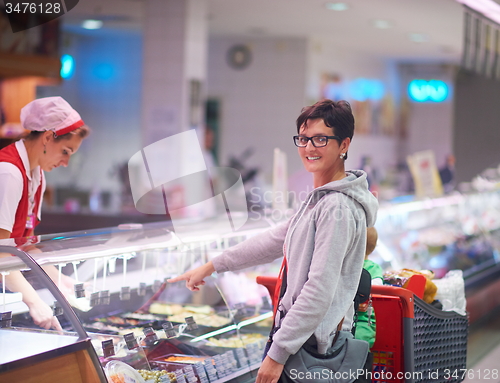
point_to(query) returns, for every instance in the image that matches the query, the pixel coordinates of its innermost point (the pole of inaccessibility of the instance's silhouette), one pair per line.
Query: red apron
(21, 226)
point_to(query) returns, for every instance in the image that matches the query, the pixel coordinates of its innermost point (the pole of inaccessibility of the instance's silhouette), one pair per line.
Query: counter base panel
(76, 367)
(64, 359)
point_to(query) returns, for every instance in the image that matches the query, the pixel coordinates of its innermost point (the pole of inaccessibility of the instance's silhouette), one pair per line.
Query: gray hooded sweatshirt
(324, 243)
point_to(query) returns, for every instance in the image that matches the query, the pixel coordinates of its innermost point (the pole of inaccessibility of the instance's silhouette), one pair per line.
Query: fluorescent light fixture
(418, 37)
(336, 6)
(488, 8)
(92, 24)
(382, 24)
(255, 319)
(214, 333)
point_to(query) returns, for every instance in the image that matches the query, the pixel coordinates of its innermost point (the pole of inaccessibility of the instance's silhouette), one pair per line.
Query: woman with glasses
(323, 243)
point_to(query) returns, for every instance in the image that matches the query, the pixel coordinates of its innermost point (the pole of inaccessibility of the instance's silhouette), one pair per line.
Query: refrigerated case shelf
(459, 231)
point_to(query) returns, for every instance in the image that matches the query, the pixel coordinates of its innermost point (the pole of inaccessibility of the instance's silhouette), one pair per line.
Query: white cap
(50, 113)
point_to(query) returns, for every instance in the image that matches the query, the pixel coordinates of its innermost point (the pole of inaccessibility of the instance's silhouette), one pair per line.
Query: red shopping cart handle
(406, 296)
(269, 283)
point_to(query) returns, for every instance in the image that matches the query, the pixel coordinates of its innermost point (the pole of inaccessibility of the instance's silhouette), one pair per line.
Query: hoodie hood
(355, 185)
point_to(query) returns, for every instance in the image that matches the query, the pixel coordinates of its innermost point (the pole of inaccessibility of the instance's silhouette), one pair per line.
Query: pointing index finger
(177, 279)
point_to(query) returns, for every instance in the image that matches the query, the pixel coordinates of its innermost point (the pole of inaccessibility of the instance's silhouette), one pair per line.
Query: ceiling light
(488, 8)
(418, 37)
(336, 6)
(92, 24)
(382, 24)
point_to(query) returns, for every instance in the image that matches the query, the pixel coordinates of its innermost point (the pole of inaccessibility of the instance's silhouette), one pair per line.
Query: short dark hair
(335, 114)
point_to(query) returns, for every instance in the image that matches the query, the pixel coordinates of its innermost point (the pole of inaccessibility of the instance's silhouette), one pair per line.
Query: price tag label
(108, 349)
(130, 341)
(179, 376)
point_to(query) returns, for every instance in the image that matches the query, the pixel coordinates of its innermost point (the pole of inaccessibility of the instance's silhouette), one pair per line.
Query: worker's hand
(269, 371)
(43, 316)
(67, 286)
(195, 277)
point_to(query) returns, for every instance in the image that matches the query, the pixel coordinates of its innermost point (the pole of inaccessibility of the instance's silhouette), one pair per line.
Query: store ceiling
(435, 24)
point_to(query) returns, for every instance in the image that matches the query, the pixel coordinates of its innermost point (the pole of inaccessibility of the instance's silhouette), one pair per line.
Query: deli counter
(453, 232)
(456, 231)
(121, 319)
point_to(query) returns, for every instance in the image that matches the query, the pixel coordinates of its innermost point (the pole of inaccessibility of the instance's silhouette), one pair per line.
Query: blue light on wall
(67, 66)
(104, 71)
(362, 89)
(428, 90)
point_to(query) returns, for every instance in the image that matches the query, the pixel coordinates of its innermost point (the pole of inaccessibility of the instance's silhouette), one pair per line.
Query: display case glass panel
(457, 231)
(116, 282)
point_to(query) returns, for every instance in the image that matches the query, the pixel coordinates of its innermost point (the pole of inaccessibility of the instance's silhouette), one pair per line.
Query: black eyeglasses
(317, 141)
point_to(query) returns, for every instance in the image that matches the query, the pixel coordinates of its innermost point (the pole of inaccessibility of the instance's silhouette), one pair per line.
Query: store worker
(56, 132)
(323, 243)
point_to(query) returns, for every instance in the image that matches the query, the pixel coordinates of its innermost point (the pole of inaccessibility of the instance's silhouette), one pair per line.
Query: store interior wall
(428, 125)
(261, 102)
(106, 91)
(351, 66)
(477, 124)
(258, 104)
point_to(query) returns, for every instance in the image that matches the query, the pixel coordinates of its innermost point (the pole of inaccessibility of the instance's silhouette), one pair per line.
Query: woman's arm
(257, 250)
(67, 283)
(195, 277)
(262, 248)
(40, 311)
(4, 234)
(269, 371)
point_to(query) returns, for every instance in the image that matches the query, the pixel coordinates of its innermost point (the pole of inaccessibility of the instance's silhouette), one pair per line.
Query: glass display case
(457, 231)
(30, 354)
(108, 289)
(122, 321)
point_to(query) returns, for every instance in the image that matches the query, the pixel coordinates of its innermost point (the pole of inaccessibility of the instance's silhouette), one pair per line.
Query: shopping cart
(415, 342)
